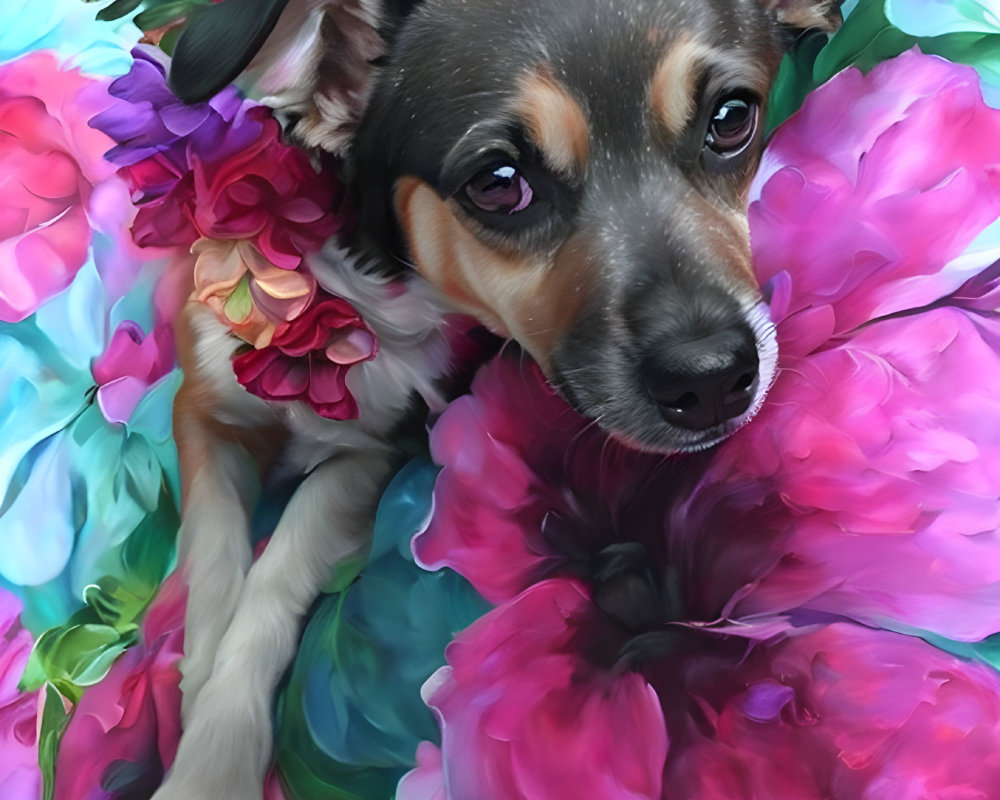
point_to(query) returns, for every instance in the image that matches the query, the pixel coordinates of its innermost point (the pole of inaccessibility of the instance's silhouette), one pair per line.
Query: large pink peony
(20, 776)
(55, 180)
(536, 703)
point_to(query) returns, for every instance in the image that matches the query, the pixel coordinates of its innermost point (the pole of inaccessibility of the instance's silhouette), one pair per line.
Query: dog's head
(575, 175)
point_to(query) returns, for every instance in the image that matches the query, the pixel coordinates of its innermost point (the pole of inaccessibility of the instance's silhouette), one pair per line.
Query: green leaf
(164, 14)
(118, 9)
(77, 656)
(240, 304)
(54, 722)
(795, 79)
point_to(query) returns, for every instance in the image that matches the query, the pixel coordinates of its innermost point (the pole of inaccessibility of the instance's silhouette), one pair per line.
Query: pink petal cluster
(19, 772)
(308, 359)
(716, 586)
(51, 162)
(131, 364)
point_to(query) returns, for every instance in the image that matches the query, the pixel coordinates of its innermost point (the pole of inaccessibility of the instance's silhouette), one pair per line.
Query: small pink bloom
(51, 162)
(129, 366)
(309, 358)
(124, 731)
(246, 292)
(19, 772)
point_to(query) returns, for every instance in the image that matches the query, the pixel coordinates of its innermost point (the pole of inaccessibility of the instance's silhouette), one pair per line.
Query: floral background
(810, 610)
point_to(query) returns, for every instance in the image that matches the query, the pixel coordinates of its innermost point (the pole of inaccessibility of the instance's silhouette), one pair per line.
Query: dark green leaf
(118, 9)
(161, 15)
(54, 722)
(217, 44)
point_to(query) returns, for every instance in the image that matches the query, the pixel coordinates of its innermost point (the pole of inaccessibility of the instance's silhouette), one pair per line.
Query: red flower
(309, 358)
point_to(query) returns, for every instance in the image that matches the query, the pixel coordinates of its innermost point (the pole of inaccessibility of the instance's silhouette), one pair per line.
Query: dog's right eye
(499, 190)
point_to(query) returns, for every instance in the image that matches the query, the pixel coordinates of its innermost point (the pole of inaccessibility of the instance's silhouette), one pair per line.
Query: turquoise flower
(69, 29)
(74, 484)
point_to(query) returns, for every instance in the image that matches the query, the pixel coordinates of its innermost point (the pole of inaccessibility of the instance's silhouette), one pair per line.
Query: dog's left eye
(501, 190)
(733, 125)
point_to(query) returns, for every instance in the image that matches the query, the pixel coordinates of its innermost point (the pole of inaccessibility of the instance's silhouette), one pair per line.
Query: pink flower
(536, 704)
(129, 366)
(523, 493)
(51, 162)
(246, 291)
(19, 772)
(309, 359)
(124, 731)
(862, 212)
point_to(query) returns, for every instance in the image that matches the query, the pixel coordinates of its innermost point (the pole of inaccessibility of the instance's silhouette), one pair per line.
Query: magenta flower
(51, 162)
(863, 212)
(533, 706)
(19, 772)
(129, 366)
(309, 358)
(124, 731)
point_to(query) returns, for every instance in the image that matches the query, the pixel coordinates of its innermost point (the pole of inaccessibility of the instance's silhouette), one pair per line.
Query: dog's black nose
(700, 383)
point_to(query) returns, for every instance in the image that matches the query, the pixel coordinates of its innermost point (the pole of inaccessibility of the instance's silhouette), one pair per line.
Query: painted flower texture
(52, 163)
(20, 776)
(743, 613)
(217, 177)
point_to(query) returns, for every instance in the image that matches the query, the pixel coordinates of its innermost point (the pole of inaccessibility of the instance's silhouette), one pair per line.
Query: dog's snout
(702, 382)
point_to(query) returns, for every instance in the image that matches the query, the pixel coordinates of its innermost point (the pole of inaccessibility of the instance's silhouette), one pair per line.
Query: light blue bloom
(69, 28)
(961, 30)
(75, 487)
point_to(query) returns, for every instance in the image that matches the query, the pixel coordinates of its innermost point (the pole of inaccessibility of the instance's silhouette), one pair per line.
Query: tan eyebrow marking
(555, 121)
(672, 90)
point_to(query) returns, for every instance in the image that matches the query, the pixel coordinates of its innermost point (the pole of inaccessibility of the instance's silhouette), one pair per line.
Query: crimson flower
(309, 359)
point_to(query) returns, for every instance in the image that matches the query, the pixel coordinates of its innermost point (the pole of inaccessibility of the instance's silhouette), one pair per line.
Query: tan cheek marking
(523, 297)
(555, 121)
(671, 92)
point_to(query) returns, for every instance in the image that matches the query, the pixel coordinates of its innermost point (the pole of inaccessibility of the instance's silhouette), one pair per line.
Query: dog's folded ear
(818, 14)
(310, 60)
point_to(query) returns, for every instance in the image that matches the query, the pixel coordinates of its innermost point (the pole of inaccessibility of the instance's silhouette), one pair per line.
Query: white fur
(242, 621)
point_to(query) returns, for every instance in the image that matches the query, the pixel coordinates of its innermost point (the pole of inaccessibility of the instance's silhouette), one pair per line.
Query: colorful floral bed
(815, 606)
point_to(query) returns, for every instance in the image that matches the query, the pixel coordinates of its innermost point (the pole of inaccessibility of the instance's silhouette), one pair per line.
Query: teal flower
(74, 484)
(351, 717)
(69, 28)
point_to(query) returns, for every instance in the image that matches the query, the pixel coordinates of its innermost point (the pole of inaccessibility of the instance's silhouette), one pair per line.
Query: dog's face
(575, 175)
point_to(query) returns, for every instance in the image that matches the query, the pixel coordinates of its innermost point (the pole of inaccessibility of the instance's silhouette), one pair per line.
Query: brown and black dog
(574, 175)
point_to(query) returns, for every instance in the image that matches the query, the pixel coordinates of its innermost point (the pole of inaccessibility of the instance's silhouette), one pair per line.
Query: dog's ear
(310, 60)
(817, 14)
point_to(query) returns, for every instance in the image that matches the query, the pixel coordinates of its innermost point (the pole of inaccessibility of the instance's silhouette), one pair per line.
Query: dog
(574, 177)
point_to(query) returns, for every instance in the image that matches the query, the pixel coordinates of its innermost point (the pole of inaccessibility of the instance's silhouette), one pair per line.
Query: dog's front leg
(226, 745)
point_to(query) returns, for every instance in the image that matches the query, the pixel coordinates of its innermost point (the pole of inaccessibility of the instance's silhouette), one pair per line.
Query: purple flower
(150, 119)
